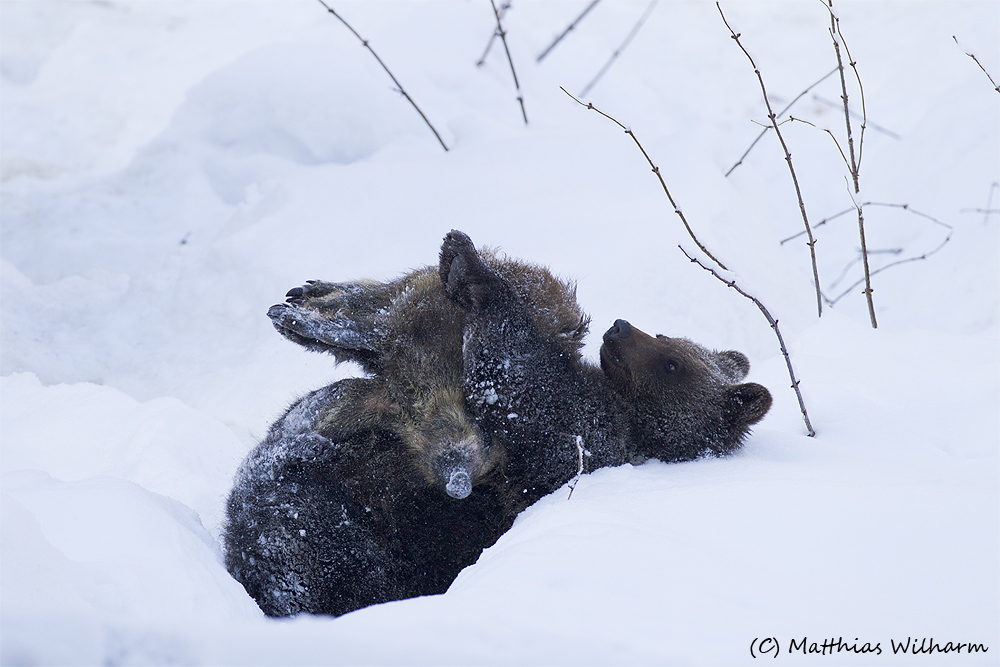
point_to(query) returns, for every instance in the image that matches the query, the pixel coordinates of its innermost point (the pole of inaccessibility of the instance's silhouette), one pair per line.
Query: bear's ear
(734, 364)
(746, 404)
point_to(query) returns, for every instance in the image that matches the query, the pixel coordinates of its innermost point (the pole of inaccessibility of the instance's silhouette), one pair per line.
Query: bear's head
(686, 400)
(446, 446)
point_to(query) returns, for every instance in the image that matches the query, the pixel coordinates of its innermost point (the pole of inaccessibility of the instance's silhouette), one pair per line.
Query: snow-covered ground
(170, 169)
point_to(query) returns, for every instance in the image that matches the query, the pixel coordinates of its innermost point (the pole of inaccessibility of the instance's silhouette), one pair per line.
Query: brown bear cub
(663, 398)
(477, 392)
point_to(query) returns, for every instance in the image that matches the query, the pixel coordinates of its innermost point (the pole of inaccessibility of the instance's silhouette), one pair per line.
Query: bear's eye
(671, 366)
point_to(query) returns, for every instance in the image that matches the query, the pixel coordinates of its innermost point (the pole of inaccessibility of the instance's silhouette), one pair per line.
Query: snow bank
(169, 170)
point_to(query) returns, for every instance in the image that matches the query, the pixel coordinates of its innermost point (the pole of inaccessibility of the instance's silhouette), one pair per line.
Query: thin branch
(847, 269)
(565, 32)
(908, 209)
(834, 32)
(989, 210)
(399, 86)
(905, 207)
(777, 332)
(927, 254)
(489, 45)
(788, 159)
(818, 225)
(614, 56)
(995, 86)
(656, 170)
(780, 114)
(861, 89)
(854, 114)
(503, 38)
(578, 440)
(855, 164)
(829, 132)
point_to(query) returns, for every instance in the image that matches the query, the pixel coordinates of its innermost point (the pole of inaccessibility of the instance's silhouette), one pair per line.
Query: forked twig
(777, 332)
(399, 86)
(565, 32)
(891, 265)
(988, 210)
(614, 56)
(732, 283)
(905, 207)
(788, 159)
(489, 45)
(656, 170)
(780, 114)
(819, 224)
(503, 38)
(847, 269)
(843, 156)
(995, 86)
(868, 123)
(855, 163)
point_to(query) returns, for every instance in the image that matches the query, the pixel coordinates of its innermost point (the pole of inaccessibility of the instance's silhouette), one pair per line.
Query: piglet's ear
(734, 364)
(746, 404)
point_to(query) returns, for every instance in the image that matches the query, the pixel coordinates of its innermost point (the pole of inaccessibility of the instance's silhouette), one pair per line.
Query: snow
(170, 169)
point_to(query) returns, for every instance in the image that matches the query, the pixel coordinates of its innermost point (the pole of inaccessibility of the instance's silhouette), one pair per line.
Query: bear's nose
(620, 330)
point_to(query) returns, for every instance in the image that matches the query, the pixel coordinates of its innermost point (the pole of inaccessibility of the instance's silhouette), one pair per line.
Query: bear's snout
(620, 330)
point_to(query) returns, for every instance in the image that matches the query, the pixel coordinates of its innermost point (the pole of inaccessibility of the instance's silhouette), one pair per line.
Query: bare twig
(989, 210)
(399, 86)
(855, 164)
(905, 207)
(854, 114)
(861, 88)
(503, 38)
(819, 224)
(656, 170)
(614, 56)
(927, 254)
(908, 209)
(777, 332)
(793, 119)
(847, 269)
(995, 86)
(780, 114)
(489, 45)
(788, 159)
(565, 32)
(578, 440)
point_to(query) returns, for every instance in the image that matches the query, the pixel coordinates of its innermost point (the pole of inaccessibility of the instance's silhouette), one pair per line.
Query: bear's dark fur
(345, 502)
(327, 520)
(407, 334)
(663, 398)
